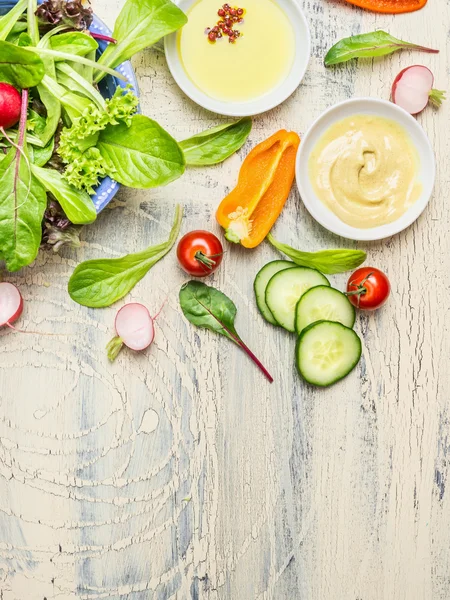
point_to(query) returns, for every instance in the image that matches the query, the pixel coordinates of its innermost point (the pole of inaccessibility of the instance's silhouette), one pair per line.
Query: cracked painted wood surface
(182, 473)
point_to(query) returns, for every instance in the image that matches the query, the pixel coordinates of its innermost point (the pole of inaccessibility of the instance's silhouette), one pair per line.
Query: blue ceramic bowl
(107, 188)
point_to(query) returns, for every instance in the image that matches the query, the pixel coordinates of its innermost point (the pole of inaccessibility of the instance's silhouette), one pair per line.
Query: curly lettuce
(77, 146)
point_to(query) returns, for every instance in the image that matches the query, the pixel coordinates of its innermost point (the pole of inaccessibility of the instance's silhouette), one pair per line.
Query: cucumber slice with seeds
(261, 281)
(323, 303)
(326, 352)
(286, 288)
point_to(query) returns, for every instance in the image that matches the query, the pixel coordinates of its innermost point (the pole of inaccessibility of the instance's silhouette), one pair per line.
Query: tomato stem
(361, 290)
(205, 260)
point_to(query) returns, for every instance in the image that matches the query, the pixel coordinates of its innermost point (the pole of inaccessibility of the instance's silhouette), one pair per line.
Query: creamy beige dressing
(365, 169)
(256, 64)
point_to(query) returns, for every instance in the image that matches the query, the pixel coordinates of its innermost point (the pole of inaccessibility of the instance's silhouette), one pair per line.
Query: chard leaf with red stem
(22, 203)
(206, 307)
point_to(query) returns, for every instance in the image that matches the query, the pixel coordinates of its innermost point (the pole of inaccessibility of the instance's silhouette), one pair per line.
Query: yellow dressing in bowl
(259, 60)
(365, 170)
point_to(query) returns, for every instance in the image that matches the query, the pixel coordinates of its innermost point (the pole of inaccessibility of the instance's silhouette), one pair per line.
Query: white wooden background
(181, 473)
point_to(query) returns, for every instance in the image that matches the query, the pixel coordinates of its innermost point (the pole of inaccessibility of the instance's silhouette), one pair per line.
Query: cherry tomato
(368, 288)
(199, 253)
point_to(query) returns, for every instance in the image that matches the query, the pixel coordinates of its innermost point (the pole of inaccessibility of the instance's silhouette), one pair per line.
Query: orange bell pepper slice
(248, 213)
(390, 6)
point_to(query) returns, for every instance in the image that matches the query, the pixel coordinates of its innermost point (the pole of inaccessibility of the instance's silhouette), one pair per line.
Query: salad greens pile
(69, 136)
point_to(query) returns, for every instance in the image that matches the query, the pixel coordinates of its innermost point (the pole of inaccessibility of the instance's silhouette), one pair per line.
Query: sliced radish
(134, 327)
(11, 303)
(413, 89)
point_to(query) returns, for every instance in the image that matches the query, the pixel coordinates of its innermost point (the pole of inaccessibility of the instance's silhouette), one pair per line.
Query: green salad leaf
(368, 45)
(215, 145)
(66, 56)
(72, 80)
(22, 205)
(142, 155)
(77, 204)
(74, 104)
(101, 282)
(24, 40)
(20, 67)
(325, 261)
(206, 307)
(39, 154)
(140, 24)
(17, 29)
(53, 108)
(32, 22)
(73, 42)
(8, 21)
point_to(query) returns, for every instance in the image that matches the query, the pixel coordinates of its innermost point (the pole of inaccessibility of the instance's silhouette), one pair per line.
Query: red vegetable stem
(256, 360)
(241, 345)
(425, 49)
(22, 127)
(23, 118)
(105, 38)
(249, 353)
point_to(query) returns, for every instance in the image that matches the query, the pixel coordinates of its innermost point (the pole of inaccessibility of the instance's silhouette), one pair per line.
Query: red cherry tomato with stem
(368, 288)
(199, 253)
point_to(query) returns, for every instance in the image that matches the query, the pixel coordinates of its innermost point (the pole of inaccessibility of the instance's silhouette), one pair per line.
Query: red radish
(10, 106)
(134, 328)
(11, 303)
(413, 89)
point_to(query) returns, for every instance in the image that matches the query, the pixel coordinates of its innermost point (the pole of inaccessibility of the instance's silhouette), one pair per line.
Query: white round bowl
(263, 103)
(372, 106)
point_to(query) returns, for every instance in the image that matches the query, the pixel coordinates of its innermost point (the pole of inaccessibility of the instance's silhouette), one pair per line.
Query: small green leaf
(77, 204)
(41, 155)
(325, 261)
(206, 307)
(101, 282)
(215, 145)
(73, 42)
(20, 67)
(368, 45)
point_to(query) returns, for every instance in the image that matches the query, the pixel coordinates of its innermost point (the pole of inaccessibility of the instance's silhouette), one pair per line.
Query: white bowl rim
(383, 231)
(239, 109)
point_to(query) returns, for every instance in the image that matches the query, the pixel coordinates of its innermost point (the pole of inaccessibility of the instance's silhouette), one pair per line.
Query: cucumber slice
(285, 289)
(323, 303)
(326, 352)
(261, 281)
